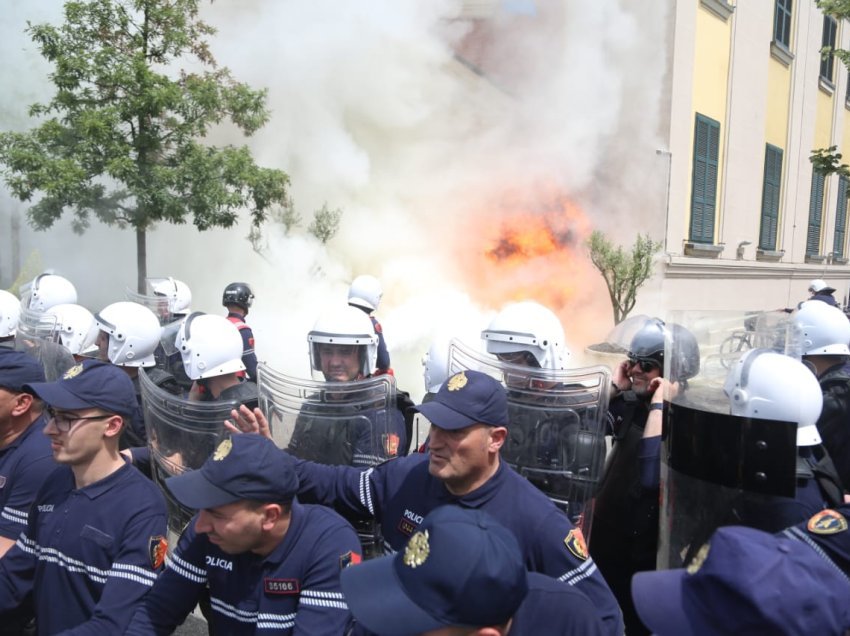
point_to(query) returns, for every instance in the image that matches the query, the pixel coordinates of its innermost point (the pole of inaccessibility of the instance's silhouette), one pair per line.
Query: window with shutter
(770, 197)
(815, 215)
(704, 183)
(840, 219)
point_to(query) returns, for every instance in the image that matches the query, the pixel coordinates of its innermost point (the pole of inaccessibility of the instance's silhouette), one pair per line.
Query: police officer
(469, 424)
(10, 312)
(76, 329)
(827, 533)
(744, 581)
(25, 456)
(211, 349)
(47, 290)
(462, 569)
(128, 337)
(626, 513)
(826, 334)
(767, 385)
(94, 539)
(343, 349)
(365, 293)
(238, 298)
(269, 562)
(819, 290)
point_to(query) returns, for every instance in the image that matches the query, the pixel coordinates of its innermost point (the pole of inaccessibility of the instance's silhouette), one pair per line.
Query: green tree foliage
(623, 272)
(325, 223)
(122, 138)
(827, 161)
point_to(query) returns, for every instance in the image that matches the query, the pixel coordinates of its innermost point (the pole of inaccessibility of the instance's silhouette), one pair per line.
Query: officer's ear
(23, 403)
(498, 435)
(114, 426)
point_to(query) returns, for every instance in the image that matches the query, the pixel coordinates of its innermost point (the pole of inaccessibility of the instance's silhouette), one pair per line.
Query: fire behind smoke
(528, 246)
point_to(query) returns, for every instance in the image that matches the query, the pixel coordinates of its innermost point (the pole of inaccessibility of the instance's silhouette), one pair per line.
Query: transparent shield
(716, 468)
(182, 434)
(158, 304)
(336, 423)
(556, 432)
(38, 336)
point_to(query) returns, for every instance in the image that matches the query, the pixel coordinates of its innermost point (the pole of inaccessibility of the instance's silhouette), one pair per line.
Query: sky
(472, 148)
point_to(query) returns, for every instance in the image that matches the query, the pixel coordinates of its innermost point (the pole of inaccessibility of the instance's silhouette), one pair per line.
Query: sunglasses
(646, 364)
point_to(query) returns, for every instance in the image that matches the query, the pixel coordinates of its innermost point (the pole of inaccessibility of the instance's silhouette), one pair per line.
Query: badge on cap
(157, 549)
(223, 450)
(457, 381)
(416, 552)
(73, 372)
(699, 559)
(575, 543)
(827, 522)
(348, 559)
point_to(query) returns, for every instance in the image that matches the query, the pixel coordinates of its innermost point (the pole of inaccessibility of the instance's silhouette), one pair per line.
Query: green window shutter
(770, 197)
(704, 184)
(840, 219)
(815, 215)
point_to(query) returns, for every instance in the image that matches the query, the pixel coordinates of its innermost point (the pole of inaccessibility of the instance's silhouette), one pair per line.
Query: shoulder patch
(348, 559)
(157, 549)
(827, 522)
(575, 543)
(391, 443)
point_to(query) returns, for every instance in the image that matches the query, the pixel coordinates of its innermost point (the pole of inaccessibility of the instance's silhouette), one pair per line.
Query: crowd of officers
(481, 527)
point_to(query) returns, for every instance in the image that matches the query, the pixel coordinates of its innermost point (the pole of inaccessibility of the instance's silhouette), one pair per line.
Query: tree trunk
(141, 259)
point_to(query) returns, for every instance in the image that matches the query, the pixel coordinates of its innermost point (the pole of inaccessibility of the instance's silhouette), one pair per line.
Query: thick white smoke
(412, 117)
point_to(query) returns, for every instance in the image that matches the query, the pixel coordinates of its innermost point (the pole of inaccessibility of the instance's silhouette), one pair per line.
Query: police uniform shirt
(295, 589)
(24, 465)
(554, 609)
(87, 555)
(400, 493)
(249, 357)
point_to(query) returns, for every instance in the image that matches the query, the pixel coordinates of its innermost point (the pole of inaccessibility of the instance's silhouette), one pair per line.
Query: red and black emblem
(157, 549)
(349, 558)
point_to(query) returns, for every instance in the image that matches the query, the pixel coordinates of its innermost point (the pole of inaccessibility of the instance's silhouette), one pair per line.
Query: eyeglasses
(646, 364)
(64, 421)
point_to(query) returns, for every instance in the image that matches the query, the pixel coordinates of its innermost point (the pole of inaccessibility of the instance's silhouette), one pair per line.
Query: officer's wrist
(656, 406)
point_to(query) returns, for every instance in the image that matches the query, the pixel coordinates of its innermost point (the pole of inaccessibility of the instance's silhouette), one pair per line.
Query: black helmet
(239, 294)
(649, 343)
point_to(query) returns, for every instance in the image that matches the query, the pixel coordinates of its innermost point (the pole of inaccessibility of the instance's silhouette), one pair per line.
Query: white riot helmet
(767, 385)
(528, 326)
(825, 329)
(435, 365)
(176, 291)
(10, 313)
(819, 285)
(210, 346)
(75, 326)
(365, 292)
(345, 326)
(134, 333)
(48, 290)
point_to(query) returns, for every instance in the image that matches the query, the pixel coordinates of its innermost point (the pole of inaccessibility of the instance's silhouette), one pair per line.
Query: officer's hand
(247, 421)
(621, 376)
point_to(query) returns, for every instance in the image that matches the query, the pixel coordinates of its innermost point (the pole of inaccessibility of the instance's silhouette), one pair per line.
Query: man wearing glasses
(94, 539)
(625, 517)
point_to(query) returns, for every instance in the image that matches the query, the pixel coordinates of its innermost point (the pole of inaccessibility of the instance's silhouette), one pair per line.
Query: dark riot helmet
(649, 342)
(239, 294)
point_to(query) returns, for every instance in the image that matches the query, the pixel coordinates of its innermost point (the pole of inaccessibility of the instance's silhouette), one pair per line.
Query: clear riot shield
(38, 335)
(335, 423)
(181, 435)
(556, 437)
(718, 469)
(157, 303)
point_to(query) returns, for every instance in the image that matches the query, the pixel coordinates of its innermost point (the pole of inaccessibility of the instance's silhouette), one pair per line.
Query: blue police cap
(467, 398)
(746, 581)
(18, 368)
(460, 568)
(245, 466)
(89, 384)
(827, 534)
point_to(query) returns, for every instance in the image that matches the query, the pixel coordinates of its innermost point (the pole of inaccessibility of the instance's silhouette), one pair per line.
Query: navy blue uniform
(88, 555)
(556, 610)
(24, 465)
(383, 361)
(293, 590)
(249, 357)
(399, 493)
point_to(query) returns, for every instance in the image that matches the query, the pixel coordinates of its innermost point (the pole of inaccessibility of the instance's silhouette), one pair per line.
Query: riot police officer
(365, 293)
(625, 518)
(47, 290)
(76, 328)
(237, 299)
(826, 334)
(10, 312)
